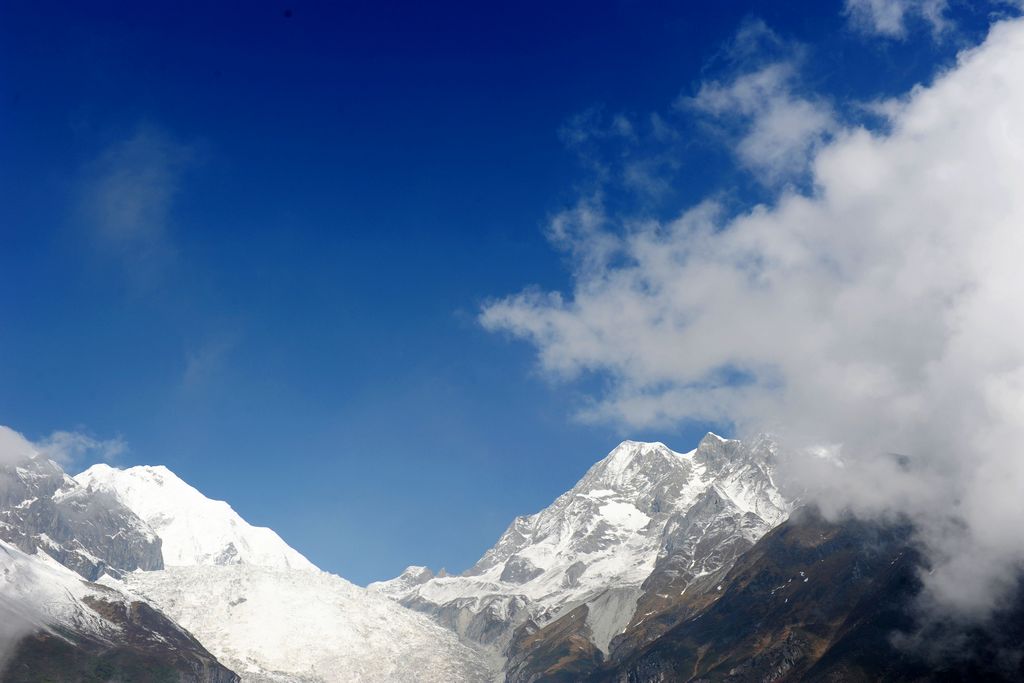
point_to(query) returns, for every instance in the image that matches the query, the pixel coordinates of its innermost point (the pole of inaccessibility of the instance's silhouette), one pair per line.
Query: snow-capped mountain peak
(633, 467)
(195, 530)
(597, 543)
(262, 608)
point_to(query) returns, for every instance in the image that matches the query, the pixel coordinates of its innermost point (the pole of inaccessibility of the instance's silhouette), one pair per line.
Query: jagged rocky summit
(598, 561)
(737, 587)
(86, 530)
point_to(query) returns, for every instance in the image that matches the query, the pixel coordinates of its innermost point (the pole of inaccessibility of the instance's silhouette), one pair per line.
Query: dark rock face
(87, 531)
(573, 573)
(150, 648)
(699, 548)
(561, 651)
(819, 601)
(811, 601)
(519, 570)
(780, 606)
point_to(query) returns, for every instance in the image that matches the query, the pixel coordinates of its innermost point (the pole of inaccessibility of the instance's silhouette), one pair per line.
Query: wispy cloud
(772, 126)
(127, 194)
(879, 311)
(636, 157)
(888, 18)
(69, 447)
(14, 446)
(63, 447)
(203, 362)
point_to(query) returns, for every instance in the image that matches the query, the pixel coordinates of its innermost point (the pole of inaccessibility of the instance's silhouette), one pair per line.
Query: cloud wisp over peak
(63, 447)
(878, 312)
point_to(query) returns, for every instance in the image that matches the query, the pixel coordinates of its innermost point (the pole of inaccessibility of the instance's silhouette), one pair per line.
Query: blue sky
(253, 242)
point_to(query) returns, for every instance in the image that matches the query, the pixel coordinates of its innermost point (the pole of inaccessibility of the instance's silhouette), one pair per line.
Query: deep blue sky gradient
(362, 176)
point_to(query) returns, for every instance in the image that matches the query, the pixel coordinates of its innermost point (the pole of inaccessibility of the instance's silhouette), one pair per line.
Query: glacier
(262, 608)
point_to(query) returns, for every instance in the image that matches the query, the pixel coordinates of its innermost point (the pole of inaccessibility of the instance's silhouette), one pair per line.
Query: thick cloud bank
(882, 314)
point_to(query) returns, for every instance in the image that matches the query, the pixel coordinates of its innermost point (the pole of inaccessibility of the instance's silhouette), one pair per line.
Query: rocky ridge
(87, 531)
(643, 518)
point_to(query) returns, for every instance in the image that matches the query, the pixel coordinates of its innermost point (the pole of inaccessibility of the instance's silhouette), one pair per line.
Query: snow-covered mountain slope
(56, 626)
(598, 542)
(261, 607)
(195, 530)
(45, 594)
(88, 531)
(285, 625)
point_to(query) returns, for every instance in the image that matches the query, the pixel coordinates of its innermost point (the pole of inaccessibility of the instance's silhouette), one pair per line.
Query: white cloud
(772, 127)
(777, 128)
(883, 313)
(14, 446)
(67, 447)
(62, 447)
(888, 18)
